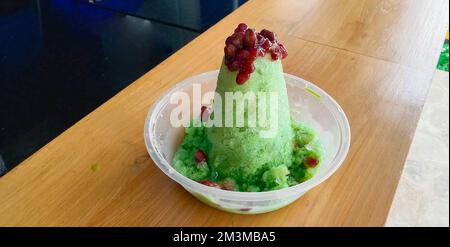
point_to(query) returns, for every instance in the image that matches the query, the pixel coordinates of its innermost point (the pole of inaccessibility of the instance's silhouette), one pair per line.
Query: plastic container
(308, 104)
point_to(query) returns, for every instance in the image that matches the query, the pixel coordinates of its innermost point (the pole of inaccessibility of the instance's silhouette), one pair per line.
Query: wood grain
(400, 31)
(98, 172)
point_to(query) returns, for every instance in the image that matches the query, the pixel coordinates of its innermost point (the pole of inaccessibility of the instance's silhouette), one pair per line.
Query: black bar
(254, 236)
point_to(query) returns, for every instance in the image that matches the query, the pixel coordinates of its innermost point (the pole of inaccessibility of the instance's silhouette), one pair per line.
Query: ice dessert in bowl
(263, 140)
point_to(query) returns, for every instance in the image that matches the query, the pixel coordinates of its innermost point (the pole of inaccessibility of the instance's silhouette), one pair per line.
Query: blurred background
(61, 59)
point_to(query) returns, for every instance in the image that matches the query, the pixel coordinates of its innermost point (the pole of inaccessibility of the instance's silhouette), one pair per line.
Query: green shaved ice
(276, 178)
(241, 152)
(303, 133)
(306, 144)
(183, 162)
(238, 157)
(253, 188)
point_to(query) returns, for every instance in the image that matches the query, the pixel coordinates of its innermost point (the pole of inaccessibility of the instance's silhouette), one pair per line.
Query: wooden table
(376, 58)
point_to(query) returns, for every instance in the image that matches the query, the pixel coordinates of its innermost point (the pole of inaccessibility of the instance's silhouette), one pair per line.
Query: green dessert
(266, 149)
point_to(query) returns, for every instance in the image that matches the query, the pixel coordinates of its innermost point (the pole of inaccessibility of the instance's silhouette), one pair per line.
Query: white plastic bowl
(308, 104)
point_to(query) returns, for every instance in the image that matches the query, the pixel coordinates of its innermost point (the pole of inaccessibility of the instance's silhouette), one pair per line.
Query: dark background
(61, 59)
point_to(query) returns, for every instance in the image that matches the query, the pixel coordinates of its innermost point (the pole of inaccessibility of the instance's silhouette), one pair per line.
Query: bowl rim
(167, 168)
